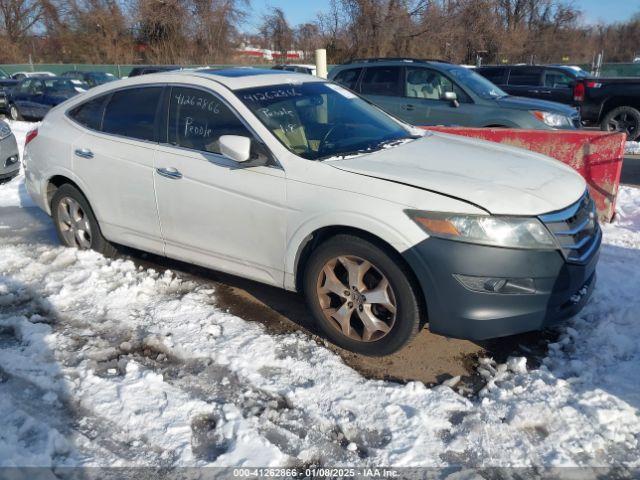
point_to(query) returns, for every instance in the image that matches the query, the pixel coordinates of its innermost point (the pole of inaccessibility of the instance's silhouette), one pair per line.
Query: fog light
(11, 160)
(508, 286)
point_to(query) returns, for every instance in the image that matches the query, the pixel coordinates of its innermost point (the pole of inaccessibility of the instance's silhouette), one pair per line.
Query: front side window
(132, 113)
(348, 78)
(556, 79)
(318, 120)
(26, 86)
(197, 120)
(89, 114)
(430, 84)
(57, 85)
(382, 81)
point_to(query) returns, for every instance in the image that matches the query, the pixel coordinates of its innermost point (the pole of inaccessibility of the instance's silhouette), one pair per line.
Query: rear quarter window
(348, 78)
(495, 75)
(525, 76)
(89, 114)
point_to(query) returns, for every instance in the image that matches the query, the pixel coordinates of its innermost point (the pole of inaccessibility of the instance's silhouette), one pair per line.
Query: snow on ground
(103, 362)
(632, 148)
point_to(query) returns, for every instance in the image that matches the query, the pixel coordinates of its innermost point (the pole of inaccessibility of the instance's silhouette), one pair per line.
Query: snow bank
(106, 363)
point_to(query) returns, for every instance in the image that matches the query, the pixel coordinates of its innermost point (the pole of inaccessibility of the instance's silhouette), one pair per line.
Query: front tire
(361, 296)
(14, 113)
(622, 119)
(75, 223)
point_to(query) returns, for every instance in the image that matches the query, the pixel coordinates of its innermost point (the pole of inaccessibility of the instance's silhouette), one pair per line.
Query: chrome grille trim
(575, 229)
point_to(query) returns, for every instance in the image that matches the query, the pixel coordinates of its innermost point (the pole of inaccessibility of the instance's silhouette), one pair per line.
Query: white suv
(294, 181)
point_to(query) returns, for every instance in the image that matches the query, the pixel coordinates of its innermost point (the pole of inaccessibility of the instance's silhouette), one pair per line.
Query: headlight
(5, 130)
(554, 120)
(514, 232)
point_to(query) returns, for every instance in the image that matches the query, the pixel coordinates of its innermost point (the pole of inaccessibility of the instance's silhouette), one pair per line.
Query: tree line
(212, 31)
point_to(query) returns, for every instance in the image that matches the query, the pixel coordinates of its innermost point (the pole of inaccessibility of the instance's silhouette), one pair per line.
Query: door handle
(170, 172)
(545, 91)
(408, 107)
(84, 153)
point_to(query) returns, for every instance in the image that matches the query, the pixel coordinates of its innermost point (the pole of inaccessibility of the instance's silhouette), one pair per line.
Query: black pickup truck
(611, 103)
(6, 84)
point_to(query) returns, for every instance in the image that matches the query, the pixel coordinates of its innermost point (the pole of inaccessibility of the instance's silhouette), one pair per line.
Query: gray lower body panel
(562, 289)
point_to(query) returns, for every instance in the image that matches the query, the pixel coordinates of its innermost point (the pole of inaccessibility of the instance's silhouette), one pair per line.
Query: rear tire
(622, 119)
(361, 296)
(75, 222)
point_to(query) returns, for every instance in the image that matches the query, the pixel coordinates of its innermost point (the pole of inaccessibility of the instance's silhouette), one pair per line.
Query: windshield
(477, 83)
(321, 120)
(58, 85)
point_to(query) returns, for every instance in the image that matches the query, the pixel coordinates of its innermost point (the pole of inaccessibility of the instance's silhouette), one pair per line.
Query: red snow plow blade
(597, 156)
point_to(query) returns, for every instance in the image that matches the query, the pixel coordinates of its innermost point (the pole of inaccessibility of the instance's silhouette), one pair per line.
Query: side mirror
(235, 147)
(451, 97)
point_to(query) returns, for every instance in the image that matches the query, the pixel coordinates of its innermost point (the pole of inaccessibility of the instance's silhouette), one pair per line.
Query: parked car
(34, 97)
(294, 181)
(296, 67)
(6, 85)
(91, 79)
(613, 104)
(147, 69)
(23, 75)
(9, 157)
(437, 93)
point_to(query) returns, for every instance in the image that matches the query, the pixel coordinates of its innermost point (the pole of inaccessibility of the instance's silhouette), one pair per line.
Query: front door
(423, 102)
(557, 86)
(212, 212)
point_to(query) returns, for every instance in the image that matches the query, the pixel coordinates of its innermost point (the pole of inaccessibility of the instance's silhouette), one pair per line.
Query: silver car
(9, 156)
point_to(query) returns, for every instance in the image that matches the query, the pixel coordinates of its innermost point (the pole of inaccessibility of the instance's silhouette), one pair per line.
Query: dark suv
(424, 92)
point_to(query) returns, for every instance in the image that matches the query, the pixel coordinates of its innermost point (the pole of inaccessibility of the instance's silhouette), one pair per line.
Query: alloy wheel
(356, 298)
(74, 224)
(13, 111)
(623, 122)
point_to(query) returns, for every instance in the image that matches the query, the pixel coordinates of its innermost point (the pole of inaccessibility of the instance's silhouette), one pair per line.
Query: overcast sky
(299, 11)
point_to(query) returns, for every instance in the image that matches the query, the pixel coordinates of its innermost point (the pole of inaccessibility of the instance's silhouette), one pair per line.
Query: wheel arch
(615, 102)
(320, 235)
(56, 181)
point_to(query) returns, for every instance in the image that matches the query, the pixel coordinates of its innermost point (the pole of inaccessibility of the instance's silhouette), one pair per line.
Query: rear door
(525, 82)
(114, 158)
(384, 86)
(557, 86)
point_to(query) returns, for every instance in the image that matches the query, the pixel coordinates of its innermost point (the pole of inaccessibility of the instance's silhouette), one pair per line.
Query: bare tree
(276, 31)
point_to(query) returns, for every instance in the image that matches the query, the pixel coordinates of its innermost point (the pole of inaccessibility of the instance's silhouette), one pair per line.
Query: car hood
(524, 103)
(500, 179)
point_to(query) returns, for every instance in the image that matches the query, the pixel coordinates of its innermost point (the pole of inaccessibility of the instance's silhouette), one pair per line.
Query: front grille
(577, 121)
(576, 229)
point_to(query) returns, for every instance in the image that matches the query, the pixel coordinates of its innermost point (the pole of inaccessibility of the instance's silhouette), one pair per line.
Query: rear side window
(197, 120)
(89, 114)
(496, 75)
(348, 78)
(382, 81)
(524, 76)
(132, 113)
